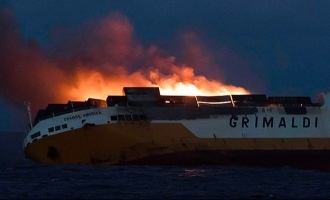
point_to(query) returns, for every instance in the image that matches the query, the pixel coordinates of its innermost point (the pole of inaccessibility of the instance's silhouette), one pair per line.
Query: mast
(27, 104)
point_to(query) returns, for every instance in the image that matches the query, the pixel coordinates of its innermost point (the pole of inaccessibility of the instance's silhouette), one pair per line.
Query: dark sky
(273, 47)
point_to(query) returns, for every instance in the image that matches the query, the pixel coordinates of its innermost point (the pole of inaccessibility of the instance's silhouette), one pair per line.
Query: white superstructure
(264, 122)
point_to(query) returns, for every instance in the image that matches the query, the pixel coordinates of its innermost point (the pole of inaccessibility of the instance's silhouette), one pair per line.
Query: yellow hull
(117, 143)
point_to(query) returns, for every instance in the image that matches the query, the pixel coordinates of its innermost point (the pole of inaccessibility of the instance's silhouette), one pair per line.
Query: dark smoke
(106, 46)
(26, 75)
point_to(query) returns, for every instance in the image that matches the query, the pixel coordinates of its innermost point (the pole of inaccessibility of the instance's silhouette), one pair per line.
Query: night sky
(273, 47)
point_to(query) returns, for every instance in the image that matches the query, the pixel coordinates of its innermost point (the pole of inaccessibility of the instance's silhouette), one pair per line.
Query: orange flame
(96, 59)
(183, 81)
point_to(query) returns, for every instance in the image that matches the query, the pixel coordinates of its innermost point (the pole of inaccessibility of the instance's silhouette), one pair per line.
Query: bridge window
(51, 129)
(57, 128)
(64, 126)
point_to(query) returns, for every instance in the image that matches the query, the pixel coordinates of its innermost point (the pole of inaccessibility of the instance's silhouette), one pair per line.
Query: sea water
(21, 178)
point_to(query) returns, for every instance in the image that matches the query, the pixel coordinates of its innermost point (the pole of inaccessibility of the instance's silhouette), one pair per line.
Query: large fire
(92, 84)
(98, 59)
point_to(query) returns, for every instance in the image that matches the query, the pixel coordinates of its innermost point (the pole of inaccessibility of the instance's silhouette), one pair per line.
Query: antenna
(27, 104)
(72, 106)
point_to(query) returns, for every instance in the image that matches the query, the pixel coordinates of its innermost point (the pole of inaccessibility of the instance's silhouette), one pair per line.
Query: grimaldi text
(272, 122)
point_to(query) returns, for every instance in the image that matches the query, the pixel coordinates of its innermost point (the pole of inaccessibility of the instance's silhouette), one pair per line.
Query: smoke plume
(97, 59)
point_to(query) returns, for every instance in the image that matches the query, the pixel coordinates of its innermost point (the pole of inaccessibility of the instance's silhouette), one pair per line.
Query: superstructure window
(128, 117)
(57, 128)
(136, 117)
(143, 117)
(51, 129)
(121, 117)
(114, 118)
(34, 135)
(64, 126)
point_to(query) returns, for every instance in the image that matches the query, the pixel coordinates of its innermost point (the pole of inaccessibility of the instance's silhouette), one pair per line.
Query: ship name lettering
(91, 113)
(84, 115)
(268, 123)
(271, 122)
(72, 117)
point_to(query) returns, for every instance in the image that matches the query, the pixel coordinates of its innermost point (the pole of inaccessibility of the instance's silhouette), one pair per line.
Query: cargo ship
(143, 127)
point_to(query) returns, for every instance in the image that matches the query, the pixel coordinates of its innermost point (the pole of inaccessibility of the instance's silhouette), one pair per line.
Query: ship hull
(302, 159)
(146, 143)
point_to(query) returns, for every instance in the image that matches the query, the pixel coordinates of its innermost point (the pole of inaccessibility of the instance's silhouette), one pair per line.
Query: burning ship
(144, 127)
